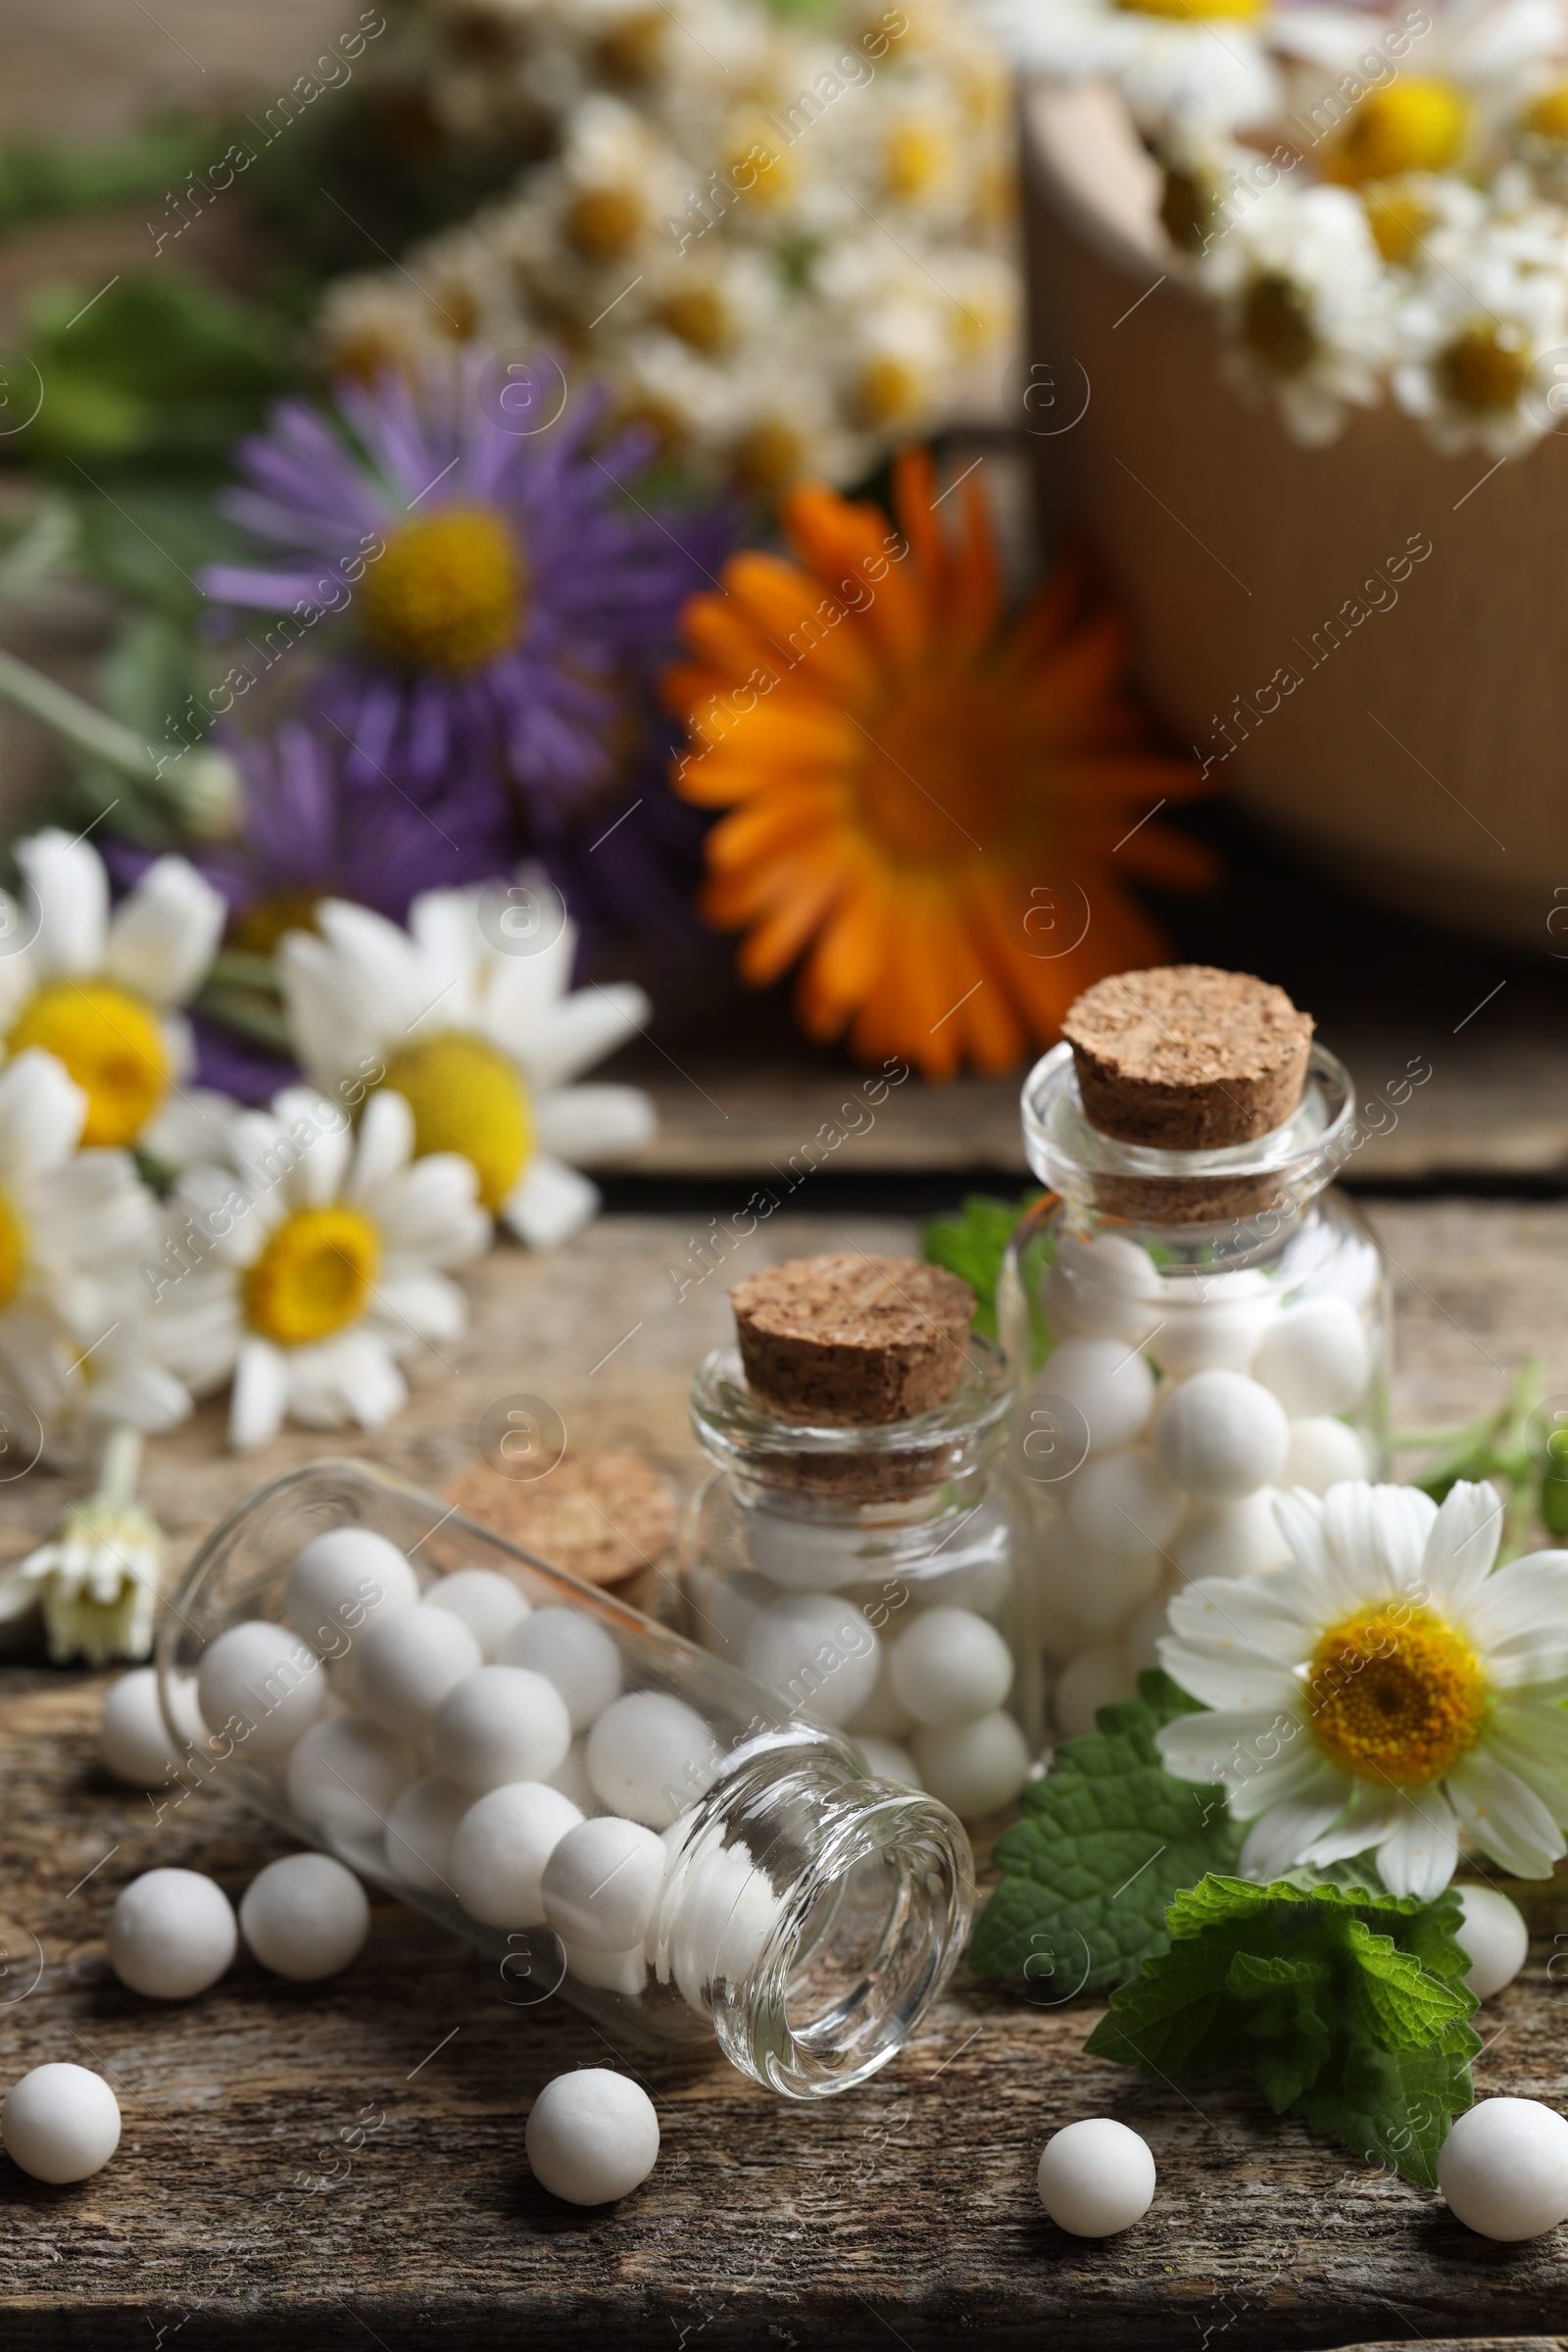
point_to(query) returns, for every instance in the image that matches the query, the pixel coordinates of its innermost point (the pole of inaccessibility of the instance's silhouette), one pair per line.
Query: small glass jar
(815, 1556)
(806, 1915)
(1139, 1274)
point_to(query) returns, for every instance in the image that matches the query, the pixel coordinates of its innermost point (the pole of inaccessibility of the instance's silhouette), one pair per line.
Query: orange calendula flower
(936, 808)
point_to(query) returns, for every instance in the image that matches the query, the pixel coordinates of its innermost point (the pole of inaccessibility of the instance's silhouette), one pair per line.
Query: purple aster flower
(486, 601)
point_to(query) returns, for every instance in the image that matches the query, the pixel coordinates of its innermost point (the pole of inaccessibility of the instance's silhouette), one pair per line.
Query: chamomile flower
(322, 1264)
(100, 1575)
(102, 992)
(1204, 66)
(1385, 1693)
(468, 1016)
(1306, 305)
(1482, 335)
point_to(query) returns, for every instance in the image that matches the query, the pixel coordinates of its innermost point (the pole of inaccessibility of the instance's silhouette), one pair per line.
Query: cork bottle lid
(1188, 1058)
(841, 1340)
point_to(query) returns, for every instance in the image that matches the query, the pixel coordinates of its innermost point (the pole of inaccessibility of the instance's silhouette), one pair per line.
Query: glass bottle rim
(1066, 1150)
(734, 1428)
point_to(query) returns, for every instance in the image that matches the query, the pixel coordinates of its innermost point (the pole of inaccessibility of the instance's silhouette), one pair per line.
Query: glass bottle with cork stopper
(1195, 1317)
(857, 1547)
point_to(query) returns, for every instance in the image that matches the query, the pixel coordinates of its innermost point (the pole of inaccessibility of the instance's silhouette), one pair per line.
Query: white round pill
(59, 2123)
(1494, 1938)
(725, 1606)
(601, 1882)
(1316, 1357)
(717, 1912)
(405, 1665)
(171, 1933)
(1207, 1335)
(887, 1760)
(947, 1666)
(135, 1740)
(571, 1650)
(625, 1972)
(305, 1917)
(1222, 1435)
(500, 1847)
(973, 1767)
(650, 1757)
(592, 2136)
(345, 1776)
(1323, 1453)
(1102, 1287)
(1095, 1679)
(819, 1650)
(1503, 2169)
(500, 1724)
(803, 1555)
(1229, 1538)
(419, 1830)
(883, 1715)
(263, 1686)
(488, 1603)
(1091, 1588)
(343, 1579)
(1109, 1383)
(1096, 2178)
(1124, 1503)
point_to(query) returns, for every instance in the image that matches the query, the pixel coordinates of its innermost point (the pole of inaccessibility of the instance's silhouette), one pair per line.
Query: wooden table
(903, 2213)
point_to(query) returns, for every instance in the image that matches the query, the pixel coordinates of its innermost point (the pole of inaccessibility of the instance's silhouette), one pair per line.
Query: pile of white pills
(1192, 1401)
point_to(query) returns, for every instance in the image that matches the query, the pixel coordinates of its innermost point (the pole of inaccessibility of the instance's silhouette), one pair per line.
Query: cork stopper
(838, 1341)
(601, 1515)
(1188, 1058)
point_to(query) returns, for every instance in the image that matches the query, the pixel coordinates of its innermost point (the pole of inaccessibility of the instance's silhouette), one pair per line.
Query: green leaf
(1348, 2006)
(1101, 1844)
(973, 1244)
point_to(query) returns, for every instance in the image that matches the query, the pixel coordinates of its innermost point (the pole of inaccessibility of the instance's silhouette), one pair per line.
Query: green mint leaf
(1346, 2005)
(973, 1244)
(1102, 1843)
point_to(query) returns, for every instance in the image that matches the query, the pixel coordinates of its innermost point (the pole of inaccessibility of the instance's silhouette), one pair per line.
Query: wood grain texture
(902, 2213)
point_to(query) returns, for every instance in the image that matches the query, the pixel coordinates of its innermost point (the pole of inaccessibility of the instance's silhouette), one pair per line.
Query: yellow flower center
(1186, 209)
(767, 456)
(314, 1277)
(447, 593)
(1485, 369)
(1413, 125)
(1547, 117)
(1276, 323)
(629, 51)
(1397, 1695)
(467, 1097)
(943, 747)
(914, 157)
(110, 1042)
(888, 392)
(1398, 218)
(13, 1251)
(603, 223)
(258, 928)
(700, 317)
(1195, 12)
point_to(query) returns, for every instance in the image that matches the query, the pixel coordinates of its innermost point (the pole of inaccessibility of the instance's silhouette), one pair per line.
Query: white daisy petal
(1505, 1817)
(1462, 1545)
(1377, 1537)
(322, 1137)
(1372, 1815)
(431, 1211)
(580, 1030)
(1281, 1766)
(191, 1126)
(445, 924)
(70, 894)
(1279, 1840)
(260, 1395)
(1301, 1522)
(41, 1115)
(588, 1124)
(1524, 1597)
(1529, 1738)
(1210, 1745)
(1269, 1612)
(1239, 1678)
(164, 934)
(549, 1203)
(425, 1304)
(1418, 1855)
(385, 1143)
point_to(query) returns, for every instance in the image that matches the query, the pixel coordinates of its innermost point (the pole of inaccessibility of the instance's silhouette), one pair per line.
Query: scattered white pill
(883, 1715)
(171, 1933)
(346, 1774)
(1229, 1538)
(1222, 1435)
(1104, 1287)
(1124, 1503)
(1494, 1938)
(1109, 1385)
(972, 1767)
(1095, 1679)
(887, 1760)
(574, 1652)
(341, 1580)
(134, 1738)
(572, 1778)
(1208, 1335)
(500, 1724)
(592, 2136)
(59, 2123)
(263, 1686)
(819, 1650)
(650, 1757)
(1316, 1357)
(500, 1849)
(1096, 2178)
(1322, 1453)
(419, 1830)
(488, 1603)
(305, 1917)
(601, 1882)
(405, 1665)
(608, 1972)
(947, 1666)
(1503, 2169)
